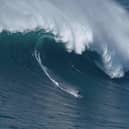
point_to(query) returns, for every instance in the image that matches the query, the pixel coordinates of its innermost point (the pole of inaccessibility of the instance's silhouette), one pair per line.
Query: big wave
(95, 25)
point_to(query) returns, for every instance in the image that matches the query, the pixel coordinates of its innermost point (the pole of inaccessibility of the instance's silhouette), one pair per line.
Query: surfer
(78, 92)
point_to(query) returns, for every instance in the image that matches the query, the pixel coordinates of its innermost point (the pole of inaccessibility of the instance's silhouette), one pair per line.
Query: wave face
(43, 86)
(94, 25)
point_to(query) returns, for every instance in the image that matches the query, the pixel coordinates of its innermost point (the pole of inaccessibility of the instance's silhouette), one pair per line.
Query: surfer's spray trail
(66, 89)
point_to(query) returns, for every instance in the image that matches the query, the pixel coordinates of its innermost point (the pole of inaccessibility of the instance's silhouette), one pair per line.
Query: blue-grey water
(29, 99)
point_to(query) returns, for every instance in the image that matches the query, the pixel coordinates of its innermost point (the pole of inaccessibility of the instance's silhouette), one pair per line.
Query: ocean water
(64, 64)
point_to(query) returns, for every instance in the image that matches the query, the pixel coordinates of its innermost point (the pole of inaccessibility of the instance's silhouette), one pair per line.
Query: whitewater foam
(96, 25)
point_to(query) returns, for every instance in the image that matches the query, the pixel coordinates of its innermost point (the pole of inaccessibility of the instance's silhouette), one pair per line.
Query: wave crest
(80, 25)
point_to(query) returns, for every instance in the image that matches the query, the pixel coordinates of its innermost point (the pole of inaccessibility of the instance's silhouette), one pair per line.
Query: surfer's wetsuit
(78, 93)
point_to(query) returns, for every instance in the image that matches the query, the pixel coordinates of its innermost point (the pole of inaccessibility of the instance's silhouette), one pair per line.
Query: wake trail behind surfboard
(68, 90)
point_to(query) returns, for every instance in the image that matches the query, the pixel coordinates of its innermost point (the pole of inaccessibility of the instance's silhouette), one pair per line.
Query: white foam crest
(28, 15)
(81, 25)
(113, 69)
